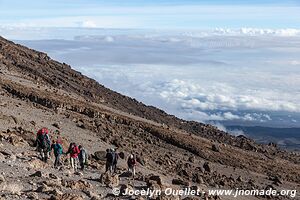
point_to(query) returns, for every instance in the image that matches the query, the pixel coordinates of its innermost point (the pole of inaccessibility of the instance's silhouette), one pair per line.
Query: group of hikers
(112, 158)
(77, 153)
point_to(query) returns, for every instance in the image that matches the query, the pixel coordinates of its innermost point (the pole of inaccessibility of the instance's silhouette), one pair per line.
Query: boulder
(180, 182)
(109, 180)
(37, 174)
(43, 189)
(192, 159)
(215, 148)
(100, 155)
(206, 167)
(122, 155)
(157, 179)
(37, 164)
(32, 195)
(91, 194)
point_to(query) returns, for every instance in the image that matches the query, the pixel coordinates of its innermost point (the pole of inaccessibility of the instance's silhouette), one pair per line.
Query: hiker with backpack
(109, 160)
(131, 162)
(74, 152)
(115, 160)
(58, 151)
(43, 143)
(83, 157)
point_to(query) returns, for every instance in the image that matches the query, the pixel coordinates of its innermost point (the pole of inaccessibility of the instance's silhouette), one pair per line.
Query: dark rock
(37, 174)
(207, 167)
(180, 182)
(215, 148)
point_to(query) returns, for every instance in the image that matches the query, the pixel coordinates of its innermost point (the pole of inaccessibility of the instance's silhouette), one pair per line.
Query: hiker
(115, 160)
(43, 144)
(58, 151)
(73, 151)
(131, 162)
(109, 160)
(83, 157)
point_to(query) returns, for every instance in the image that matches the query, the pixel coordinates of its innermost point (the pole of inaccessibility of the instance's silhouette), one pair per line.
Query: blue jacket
(58, 149)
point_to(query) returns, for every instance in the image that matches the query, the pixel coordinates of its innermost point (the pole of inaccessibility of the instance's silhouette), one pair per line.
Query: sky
(155, 14)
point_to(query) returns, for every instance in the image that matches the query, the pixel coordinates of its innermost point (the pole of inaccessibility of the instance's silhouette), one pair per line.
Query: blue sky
(165, 14)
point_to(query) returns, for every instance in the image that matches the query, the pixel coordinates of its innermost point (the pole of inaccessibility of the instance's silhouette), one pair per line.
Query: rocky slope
(36, 91)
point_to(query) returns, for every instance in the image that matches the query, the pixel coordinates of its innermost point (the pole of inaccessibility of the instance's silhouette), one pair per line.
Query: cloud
(204, 77)
(288, 32)
(87, 24)
(235, 132)
(223, 97)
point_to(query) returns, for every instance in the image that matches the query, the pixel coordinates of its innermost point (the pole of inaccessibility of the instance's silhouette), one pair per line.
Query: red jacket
(74, 152)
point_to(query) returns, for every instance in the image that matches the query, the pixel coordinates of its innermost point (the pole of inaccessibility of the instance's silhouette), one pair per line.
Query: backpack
(83, 155)
(131, 162)
(57, 149)
(44, 141)
(110, 157)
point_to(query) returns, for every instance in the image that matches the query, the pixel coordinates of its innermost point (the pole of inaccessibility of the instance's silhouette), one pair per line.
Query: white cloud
(235, 132)
(220, 78)
(223, 97)
(87, 24)
(288, 32)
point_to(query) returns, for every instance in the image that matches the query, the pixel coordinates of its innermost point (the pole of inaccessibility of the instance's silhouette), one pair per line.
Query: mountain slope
(37, 91)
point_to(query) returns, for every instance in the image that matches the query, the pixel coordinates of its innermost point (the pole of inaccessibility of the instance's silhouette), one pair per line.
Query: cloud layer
(226, 76)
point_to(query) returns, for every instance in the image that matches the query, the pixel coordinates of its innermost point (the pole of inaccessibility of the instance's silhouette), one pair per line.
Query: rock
(12, 157)
(37, 174)
(276, 180)
(192, 159)
(215, 148)
(67, 197)
(2, 157)
(79, 185)
(91, 194)
(78, 173)
(157, 179)
(32, 195)
(53, 183)
(140, 160)
(53, 176)
(180, 182)
(240, 179)
(43, 189)
(184, 173)
(197, 178)
(80, 124)
(206, 167)
(56, 192)
(37, 164)
(109, 180)
(2, 182)
(2, 179)
(122, 155)
(100, 155)
(56, 125)
(126, 174)
(96, 197)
